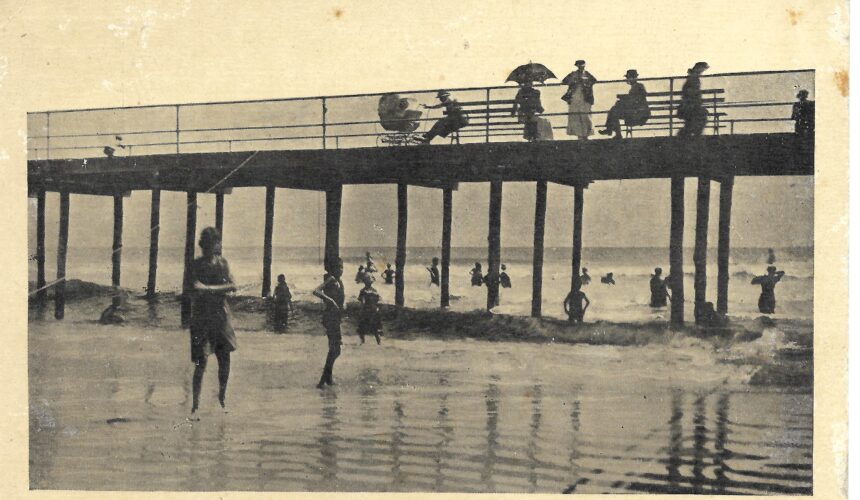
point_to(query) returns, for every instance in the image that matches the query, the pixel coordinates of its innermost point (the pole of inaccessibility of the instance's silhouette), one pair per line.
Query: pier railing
(755, 102)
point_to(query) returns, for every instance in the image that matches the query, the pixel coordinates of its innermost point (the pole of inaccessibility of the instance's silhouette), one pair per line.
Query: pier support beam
(494, 244)
(333, 196)
(700, 252)
(400, 256)
(576, 257)
(62, 248)
(537, 256)
(447, 209)
(154, 226)
(676, 250)
(41, 291)
(726, 186)
(190, 232)
(116, 255)
(219, 213)
(267, 241)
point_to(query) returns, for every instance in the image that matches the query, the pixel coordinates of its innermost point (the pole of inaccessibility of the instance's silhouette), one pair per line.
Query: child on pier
(283, 303)
(370, 322)
(211, 329)
(573, 303)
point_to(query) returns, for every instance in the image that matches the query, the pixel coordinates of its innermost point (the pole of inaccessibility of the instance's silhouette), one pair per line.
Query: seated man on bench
(632, 108)
(454, 118)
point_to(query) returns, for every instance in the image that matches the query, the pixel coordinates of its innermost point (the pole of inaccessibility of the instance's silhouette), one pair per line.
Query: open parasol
(531, 72)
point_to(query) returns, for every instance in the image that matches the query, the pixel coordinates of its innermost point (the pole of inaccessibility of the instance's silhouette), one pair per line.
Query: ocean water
(626, 301)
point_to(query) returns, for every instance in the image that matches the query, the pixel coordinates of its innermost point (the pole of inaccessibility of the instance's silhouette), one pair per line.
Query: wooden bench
(664, 105)
(487, 117)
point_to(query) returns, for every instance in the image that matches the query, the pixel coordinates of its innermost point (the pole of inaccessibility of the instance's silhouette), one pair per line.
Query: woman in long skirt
(580, 97)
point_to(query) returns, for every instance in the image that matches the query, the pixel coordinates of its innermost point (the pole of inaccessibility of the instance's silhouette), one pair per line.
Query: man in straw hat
(633, 107)
(453, 120)
(691, 110)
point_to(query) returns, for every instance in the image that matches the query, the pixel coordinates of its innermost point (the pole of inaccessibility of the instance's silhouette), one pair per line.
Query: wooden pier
(573, 163)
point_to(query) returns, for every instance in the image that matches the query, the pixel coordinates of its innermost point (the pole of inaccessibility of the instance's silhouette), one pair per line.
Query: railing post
(671, 107)
(177, 129)
(716, 120)
(48, 136)
(487, 124)
(324, 111)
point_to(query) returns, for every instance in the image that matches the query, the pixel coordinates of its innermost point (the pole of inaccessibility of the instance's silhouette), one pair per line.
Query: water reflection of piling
(700, 438)
(397, 435)
(492, 403)
(676, 439)
(327, 440)
(445, 431)
(721, 436)
(534, 435)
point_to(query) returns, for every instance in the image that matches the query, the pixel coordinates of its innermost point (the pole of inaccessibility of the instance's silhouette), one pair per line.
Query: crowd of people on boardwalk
(632, 108)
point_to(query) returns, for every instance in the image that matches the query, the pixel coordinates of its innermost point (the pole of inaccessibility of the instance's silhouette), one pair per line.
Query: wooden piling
(400, 255)
(726, 186)
(190, 232)
(62, 249)
(267, 241)
(494, 244)
(537, 256)
(576, 257)
(41, 290)
(676, 250)
(333, 197)
(447, 209)
(154, 228)
(219, 213)
(116, 255)
(700, 252)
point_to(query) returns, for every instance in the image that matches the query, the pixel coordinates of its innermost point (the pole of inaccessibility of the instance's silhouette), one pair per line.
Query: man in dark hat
(633, 107)
(453, 120)
(691, 110)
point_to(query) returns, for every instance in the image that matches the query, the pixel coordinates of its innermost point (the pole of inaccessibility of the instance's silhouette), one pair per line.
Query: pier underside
(441, 165)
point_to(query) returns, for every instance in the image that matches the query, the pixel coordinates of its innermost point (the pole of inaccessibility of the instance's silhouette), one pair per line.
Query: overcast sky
(115, 54)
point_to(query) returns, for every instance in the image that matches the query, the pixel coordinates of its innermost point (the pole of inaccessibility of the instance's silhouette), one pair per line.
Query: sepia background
(54, 56)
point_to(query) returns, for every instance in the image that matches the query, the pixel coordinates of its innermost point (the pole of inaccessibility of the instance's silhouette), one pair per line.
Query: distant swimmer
(504, 279)
(477, 275)
(586, 279)
(388, 275)
(767, 299)
(771, 257)
(369, 267)
(359, 276)
(573, 303)
(370, 322)
(283, 302)
(434, 271)
(659, 292)
(608, 279)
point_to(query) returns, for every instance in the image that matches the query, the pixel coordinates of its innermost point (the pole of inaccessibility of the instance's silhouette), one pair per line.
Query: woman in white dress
(580, 97)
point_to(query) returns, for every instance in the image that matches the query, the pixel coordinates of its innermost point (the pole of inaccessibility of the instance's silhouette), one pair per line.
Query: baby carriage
(398, 116)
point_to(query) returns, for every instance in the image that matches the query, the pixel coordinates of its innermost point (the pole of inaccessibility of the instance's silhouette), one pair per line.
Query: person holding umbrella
(527, 105)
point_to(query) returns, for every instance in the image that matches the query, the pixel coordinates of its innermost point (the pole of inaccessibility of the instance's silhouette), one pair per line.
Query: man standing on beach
(331, 293)
(211, 330)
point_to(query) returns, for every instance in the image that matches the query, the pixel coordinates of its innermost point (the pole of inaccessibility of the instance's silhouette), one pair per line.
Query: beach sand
(466, 402)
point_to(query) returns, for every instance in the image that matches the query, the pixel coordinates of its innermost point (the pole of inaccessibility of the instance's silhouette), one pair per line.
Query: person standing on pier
(434, 271)
(690, 109)
(573, 303)
(659, 293)
(283, 303)
(527, 107)
(453, 120)
(767, 299)
(388, 275)
(580, 98)
(332, 295)
(632, 108)
(803, 114)
(477, 275)
(370, 322)
(211, 328)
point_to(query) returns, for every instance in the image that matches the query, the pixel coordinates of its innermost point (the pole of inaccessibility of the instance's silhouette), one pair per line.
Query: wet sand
(108, 408)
